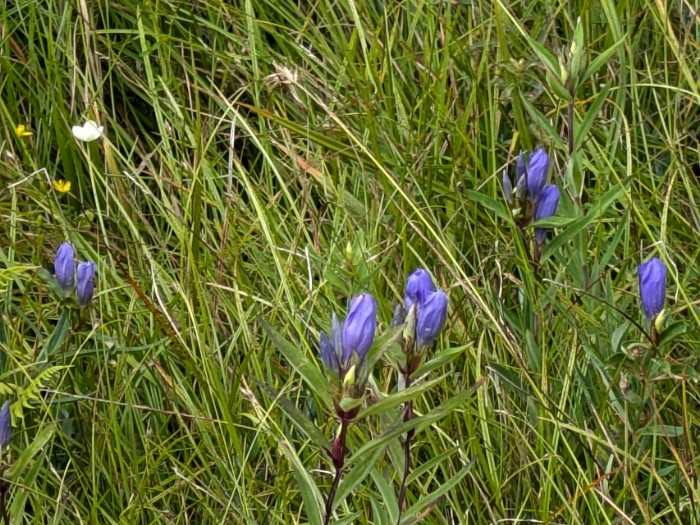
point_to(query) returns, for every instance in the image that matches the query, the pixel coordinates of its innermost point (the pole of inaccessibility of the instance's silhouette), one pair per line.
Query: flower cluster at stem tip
(430, 306)
(351, 339)
(532, 191)
(652, 287)
(66, 272)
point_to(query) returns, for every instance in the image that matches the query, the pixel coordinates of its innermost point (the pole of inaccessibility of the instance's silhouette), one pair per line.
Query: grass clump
(260, 164)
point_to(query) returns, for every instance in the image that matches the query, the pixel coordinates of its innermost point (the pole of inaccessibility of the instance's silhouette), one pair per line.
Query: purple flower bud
(64, 266)
(537, 168)
(546, 208)
(520, 168)
(85, 285)
(431, 318)
(652, 286)
(329, 347)
(418, 286)
(507, 188)
(328, 355)
(5, 425)
(358, 329)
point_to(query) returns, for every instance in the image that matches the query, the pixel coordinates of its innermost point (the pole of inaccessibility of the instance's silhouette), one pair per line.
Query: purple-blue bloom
(652, 286)
(359, 327)
(431, 318)
(547, 206)
(64, 266)
(418, 286)
(537, 168)
(5, 425)
(85, 285)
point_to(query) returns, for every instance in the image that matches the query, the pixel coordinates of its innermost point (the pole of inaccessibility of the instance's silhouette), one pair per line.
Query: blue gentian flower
(431, 318)
(64, 266)
(359, 327)
(418, 286)
(547, 206)
(652, 287)
(430, 304)
(85, 286)
(5, 425)
(537, 168)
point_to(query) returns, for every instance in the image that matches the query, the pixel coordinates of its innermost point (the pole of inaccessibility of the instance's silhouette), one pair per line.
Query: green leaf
(558, 88)
(308, 370)
(57, 337)
(298, 418)
(661, 431)
(440, 359)
(548, 58)
(419, 422)
(602, 59)
(489, 203)
(313, 502)
(393, 400)
(355, 476)
(544, 122)
(580, 224)
(429, 499)
(671, 332)
(36, 445)
(381, 345)
(581, 131)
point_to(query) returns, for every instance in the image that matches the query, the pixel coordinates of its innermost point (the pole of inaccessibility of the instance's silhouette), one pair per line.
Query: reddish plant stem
(338, 456)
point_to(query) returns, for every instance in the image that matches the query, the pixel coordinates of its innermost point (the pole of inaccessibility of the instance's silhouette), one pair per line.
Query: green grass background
(268, 160)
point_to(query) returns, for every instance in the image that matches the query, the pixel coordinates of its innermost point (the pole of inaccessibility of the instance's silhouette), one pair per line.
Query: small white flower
(88, 132)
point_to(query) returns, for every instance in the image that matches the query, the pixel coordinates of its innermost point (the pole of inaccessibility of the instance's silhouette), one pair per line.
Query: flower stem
(338, 456)
(4, 489)
(408, 415)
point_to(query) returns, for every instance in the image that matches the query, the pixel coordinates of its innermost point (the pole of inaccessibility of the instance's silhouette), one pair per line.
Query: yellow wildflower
(21, 131)
(61, 186)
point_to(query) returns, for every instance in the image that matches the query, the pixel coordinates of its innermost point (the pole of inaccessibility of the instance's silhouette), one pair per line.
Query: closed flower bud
(431, 318)
(5, 425)
(507, 188)
(537, 168)
(652, 287)
(358, 329)
(418, 286)
(85, 285)
(520, 167)
(328, 355)
(546, 208)
(64, 266)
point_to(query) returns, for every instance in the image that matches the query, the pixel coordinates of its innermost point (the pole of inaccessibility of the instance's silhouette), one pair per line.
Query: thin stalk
(4, 488)
(338, 455)
(408, 415)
